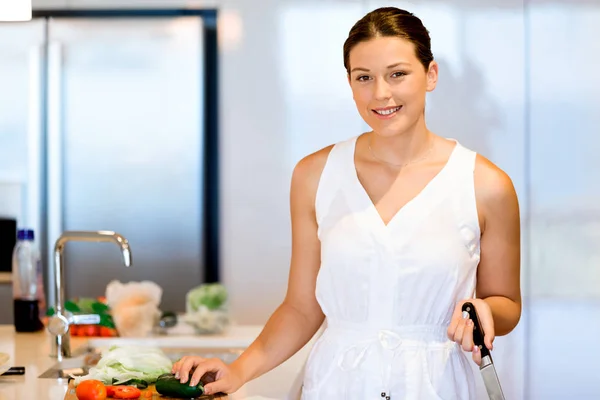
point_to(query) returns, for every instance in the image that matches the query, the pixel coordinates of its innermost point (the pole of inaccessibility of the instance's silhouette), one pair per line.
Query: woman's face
(389, 84)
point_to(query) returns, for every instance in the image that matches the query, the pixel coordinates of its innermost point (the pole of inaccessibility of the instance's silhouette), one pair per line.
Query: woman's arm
(498, 289)
(299, 316)
(499, 272)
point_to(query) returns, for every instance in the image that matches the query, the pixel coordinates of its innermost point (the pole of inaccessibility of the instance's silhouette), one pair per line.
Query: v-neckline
(422, 193)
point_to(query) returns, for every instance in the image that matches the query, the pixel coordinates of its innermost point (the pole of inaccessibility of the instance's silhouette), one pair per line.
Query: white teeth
(387, 112)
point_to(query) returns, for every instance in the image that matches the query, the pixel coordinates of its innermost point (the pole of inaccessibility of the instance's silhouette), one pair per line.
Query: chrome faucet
(59, 323)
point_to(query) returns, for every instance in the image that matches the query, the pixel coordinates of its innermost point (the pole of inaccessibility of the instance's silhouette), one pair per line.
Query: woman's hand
(217, 376)
(461, 329)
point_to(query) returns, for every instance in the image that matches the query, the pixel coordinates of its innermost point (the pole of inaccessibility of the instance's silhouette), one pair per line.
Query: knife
(487, 368)
(14, 371)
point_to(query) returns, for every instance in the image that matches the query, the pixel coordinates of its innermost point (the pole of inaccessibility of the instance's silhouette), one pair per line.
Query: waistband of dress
(428, 333)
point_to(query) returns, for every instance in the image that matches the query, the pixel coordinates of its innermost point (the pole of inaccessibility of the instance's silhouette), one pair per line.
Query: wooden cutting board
(70, 395)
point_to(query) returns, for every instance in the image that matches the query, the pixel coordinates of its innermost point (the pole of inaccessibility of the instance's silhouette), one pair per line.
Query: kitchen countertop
(32, 350)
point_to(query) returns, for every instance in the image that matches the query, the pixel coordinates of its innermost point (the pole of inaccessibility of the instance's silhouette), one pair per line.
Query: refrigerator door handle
(35, 139)
(36, 145)
(54, 153)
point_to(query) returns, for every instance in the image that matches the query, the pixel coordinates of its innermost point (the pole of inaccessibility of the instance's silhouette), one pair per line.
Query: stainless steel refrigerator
(108, 118)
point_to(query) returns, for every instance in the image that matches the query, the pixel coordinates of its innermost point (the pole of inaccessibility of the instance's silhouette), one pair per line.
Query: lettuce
(210, 295)
(120, 364)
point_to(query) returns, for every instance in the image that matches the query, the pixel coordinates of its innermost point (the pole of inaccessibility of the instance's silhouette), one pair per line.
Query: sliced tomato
(110, 391)
(126, 392)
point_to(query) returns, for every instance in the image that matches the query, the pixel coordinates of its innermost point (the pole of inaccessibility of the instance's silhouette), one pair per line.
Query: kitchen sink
(87, 357)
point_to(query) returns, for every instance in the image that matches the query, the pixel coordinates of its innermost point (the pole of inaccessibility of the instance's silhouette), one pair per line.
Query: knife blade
(487, 368)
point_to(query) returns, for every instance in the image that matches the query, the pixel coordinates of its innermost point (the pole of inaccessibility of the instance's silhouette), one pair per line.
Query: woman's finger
(211, 365)
(453, 325)
(457, 319)
(467, 338)
(186, 366)
(175, 367)
(486, 320)
(458, 334)
(488, 339)
(220, 386)
(476, 355)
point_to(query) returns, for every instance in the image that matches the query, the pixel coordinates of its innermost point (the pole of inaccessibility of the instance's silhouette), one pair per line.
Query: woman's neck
(402, 148)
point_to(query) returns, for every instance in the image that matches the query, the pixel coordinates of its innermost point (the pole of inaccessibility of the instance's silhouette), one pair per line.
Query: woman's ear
(432, 76)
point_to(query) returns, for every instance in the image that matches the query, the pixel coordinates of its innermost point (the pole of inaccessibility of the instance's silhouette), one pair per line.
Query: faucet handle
(85, 319)
(58, 325)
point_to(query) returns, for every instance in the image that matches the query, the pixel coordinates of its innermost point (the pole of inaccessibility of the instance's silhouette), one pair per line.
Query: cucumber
(168, 385)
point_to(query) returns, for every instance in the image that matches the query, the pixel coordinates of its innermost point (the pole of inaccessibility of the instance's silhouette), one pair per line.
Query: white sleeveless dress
(389, 291)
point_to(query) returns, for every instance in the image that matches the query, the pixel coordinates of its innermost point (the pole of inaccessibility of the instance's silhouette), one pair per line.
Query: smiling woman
(390, 52)
(392, 231)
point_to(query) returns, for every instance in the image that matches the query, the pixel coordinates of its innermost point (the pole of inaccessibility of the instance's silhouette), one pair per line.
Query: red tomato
(106, 332)
(91, 390)
(126, 392)
(110, 391)
(92, 330)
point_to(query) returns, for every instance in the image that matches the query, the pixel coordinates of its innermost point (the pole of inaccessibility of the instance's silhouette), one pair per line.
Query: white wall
(565, 199)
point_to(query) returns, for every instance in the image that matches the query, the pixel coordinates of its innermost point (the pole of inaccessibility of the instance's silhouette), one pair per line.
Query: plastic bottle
(27, 284)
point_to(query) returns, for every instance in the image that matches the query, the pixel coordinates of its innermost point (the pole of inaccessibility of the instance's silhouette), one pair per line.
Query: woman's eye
(362, 78)
(399, 74)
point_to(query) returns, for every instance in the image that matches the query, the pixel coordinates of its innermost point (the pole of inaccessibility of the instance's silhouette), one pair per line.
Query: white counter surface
(32, 350)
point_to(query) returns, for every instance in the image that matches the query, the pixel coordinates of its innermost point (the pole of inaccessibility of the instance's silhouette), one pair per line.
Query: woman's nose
(382, 90)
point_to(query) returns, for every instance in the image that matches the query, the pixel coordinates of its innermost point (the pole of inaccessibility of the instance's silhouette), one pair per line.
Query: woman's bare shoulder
(495, 190)
(491, 180)
(308, 170)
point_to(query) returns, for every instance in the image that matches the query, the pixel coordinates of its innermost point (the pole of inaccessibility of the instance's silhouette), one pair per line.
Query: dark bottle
(27, 290)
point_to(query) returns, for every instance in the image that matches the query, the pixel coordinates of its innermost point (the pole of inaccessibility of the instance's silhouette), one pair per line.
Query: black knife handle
(14, 371)
(478, 332)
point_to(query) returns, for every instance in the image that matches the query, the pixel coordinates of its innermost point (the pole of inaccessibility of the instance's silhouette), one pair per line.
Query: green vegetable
(72, 307)
(99, 308)
(86, 305)
(210, 295)
(124, 364)
(168, 385)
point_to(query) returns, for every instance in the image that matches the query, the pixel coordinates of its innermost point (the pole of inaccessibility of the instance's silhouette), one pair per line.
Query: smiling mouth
(386, 112)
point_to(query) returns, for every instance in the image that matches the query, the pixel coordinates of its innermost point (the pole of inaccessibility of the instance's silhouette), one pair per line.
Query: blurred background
(119, 122)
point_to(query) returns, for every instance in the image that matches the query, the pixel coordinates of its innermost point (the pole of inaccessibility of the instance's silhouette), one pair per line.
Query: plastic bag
(206, 308)
(134, 306)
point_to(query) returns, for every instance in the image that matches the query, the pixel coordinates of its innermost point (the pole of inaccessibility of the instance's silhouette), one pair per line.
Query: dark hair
(387, 22)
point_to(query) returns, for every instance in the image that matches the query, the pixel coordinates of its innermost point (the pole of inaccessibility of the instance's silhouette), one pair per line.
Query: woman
(392, 231)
